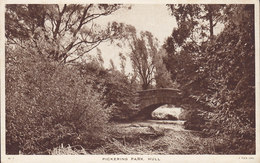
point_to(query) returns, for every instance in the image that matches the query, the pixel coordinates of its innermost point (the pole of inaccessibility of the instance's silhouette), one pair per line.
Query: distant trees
(143, 51)
(145, 58)
(162, 76)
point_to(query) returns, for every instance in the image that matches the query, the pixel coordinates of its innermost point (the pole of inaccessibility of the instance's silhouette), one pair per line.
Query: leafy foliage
(146, 58)
(162, 76)
(47, 105)
(70, 29)
(118, 91)
(236, 74)
(220, 74)
(51, 103)
(53, 99)
(143, 52)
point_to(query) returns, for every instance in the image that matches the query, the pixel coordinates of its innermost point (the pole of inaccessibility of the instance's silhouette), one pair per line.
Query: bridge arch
(151, 99)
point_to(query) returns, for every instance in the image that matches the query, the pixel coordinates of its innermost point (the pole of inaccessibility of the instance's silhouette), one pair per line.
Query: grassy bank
(149, 139)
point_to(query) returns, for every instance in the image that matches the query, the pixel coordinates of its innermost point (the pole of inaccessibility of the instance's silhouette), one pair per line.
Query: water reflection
(167, 112)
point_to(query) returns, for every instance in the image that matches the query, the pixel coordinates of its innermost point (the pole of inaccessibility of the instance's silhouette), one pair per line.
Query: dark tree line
(217, 70)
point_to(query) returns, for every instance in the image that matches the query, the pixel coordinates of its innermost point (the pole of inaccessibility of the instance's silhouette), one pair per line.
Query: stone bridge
(149, 100)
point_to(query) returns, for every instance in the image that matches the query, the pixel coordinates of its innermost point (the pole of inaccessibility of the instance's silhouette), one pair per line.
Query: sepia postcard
(129, 81)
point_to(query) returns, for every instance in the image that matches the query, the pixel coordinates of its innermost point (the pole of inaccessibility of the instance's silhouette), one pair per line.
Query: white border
(133, 1)
(98, 158)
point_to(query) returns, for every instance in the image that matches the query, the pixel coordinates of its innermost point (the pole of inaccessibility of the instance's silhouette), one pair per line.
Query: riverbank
(156, 137)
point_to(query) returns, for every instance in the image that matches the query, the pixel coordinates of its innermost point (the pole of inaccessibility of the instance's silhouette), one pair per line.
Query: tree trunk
(210, 17)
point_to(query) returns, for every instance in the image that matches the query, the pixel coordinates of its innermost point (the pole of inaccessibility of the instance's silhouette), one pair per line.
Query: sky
(155, 18)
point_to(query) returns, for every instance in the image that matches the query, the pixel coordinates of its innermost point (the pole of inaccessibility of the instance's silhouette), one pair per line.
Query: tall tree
(62, 32)
(221, 73)
(187, 44)
(162, 75)
(195, 22)
(122, 62)
(142, 54)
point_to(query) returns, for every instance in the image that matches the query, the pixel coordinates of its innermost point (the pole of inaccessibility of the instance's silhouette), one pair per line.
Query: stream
(162, 124)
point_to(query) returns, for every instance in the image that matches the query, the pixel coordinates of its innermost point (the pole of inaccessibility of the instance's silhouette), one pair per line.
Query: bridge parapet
(158, 97)
(149, 100)
(159, 93)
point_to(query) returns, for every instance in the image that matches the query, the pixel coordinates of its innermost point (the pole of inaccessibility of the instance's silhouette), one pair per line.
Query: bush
(118, 91)
(49, 104)
(195, 119)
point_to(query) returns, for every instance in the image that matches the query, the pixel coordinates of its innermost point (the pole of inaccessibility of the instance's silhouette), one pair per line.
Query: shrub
(118, 91)
(195, 119)
(48, 104)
